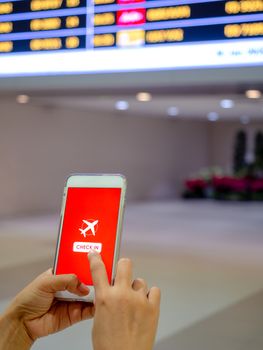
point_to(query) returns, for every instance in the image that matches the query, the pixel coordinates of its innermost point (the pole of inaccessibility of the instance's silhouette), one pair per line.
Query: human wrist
(13, 332)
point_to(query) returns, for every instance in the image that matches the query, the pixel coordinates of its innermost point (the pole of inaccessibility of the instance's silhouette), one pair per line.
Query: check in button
(85, 247)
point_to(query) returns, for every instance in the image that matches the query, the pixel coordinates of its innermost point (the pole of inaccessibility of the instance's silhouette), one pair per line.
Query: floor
(206, 257)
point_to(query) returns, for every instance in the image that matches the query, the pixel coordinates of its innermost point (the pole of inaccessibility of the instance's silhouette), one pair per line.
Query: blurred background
(168, 93)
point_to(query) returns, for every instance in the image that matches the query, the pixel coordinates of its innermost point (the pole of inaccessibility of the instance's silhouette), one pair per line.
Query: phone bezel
(92, 181)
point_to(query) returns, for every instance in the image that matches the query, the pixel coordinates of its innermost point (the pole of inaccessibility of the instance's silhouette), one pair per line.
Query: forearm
(13, 335)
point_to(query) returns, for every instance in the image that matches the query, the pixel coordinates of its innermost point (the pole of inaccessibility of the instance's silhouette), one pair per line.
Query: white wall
(39, 147)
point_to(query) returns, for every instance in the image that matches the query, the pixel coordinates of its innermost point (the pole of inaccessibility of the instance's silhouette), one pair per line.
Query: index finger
(49, 283)
(98, 271)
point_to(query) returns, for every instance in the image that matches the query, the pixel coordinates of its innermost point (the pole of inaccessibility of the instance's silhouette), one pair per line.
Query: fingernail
(83, 288)
(92, 253)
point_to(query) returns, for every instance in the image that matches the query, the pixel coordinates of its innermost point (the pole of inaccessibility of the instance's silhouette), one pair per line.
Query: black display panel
(86, 36)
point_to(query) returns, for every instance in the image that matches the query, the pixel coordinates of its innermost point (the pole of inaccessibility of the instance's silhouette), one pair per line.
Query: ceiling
(192, 94)
(193, 106)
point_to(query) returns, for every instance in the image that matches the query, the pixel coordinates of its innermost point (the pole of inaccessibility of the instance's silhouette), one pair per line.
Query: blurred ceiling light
(144, 96)
(212, 116)
(244, 119)
(253, 94)
(172, 111)
(227, 103)
(122, 105)
(23, 99)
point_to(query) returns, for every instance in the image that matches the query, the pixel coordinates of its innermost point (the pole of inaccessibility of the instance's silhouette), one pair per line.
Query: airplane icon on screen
(91, 226)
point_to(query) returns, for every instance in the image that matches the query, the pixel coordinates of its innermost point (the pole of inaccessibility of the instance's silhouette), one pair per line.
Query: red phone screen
(90, 222)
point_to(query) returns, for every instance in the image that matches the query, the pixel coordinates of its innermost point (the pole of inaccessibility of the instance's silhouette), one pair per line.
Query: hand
(126, 314)
(39, 311)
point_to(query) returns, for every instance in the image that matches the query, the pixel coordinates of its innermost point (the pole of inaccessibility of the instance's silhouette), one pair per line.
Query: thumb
(49, 283)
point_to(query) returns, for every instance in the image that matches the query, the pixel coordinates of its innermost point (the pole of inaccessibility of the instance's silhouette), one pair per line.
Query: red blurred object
(230, 183)
(225, 187)
(123, 2)
(194, 184)
(131, 17)
(256, 185)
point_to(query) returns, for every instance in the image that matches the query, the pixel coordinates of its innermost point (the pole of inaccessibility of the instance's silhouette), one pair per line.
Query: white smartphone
(91, 219)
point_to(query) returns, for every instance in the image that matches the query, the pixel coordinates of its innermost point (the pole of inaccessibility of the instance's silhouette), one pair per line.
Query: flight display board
(86, 36)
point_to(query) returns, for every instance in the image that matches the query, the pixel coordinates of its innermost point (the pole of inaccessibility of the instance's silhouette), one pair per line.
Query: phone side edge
(119, 228)
(64, 198)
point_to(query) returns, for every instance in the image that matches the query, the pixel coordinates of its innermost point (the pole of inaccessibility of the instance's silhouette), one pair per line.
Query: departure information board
(60, 36)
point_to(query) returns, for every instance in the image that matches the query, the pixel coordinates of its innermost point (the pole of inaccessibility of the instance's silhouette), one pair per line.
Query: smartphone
(91, 219)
